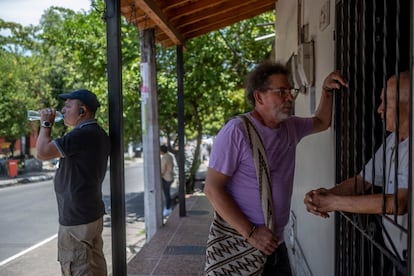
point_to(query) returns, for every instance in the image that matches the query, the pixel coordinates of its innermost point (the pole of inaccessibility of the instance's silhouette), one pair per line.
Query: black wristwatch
(46, 124)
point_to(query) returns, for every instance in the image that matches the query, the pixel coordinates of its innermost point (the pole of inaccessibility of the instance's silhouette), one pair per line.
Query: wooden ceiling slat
(176, 21)
(146, 24)
(139, 17)
(126, 5)
(216, 23)
(155, 13)
(166, 5)
(221, 11)
(194, 7)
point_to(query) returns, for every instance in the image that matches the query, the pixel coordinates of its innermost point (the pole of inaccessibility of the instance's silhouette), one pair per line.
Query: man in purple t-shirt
(231, 183)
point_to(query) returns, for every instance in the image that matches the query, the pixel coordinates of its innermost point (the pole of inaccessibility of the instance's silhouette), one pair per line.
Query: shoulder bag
(228, 252)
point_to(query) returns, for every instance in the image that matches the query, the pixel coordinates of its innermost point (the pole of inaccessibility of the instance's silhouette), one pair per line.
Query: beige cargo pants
(80, 249)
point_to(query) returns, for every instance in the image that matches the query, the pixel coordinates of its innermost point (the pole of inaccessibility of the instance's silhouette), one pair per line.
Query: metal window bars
(372, 44)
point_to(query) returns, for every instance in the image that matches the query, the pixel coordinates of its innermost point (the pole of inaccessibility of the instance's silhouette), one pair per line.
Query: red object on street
(12, 167)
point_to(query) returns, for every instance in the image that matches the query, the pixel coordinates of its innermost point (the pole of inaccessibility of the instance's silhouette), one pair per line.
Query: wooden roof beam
(154, 12)
(213, 23)
(216, 23)
(167, 5)
(218, 11)
(192, 7)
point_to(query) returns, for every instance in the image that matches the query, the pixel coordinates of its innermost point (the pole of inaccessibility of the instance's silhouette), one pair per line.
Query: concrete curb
(26, 179)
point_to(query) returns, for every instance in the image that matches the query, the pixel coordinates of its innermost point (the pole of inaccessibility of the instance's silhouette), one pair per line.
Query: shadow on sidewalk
(177, 248)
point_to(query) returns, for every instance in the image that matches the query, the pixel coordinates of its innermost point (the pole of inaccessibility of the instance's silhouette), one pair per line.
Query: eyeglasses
(283, 92)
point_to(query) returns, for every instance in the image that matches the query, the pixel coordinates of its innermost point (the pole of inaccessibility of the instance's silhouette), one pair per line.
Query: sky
(26, 12)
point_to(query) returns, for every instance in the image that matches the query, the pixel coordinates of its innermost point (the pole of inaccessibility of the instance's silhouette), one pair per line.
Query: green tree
(67, 51)
(213, 82)
(74, 48)
(21, 83)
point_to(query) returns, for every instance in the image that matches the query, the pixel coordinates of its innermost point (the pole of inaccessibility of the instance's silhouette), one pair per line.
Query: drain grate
(185, 250)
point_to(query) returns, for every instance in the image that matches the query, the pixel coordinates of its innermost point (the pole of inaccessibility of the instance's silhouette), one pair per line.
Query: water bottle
(33, 115)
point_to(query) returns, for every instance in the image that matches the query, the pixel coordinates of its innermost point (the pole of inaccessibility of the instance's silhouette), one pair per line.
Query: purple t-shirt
(231, 155)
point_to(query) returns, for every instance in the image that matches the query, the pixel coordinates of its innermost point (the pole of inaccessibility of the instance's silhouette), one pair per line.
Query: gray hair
(258, 78)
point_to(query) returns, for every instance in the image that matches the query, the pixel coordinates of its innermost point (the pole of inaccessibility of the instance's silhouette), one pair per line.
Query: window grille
(372, 44)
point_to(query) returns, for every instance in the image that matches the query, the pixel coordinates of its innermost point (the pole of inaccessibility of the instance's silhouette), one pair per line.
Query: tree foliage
(70, 52)
(67, 51)
(21, 80)
(216, 65)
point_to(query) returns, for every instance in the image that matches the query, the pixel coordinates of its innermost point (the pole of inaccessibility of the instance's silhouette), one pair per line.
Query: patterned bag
(229, 253)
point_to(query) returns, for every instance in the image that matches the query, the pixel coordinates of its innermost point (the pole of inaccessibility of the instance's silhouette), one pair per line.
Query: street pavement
(41, 259)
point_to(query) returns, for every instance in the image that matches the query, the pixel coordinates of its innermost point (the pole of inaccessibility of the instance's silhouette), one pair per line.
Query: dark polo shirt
(78, 180)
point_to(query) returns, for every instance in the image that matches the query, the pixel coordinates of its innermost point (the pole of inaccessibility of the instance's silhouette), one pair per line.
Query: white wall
(315, 163)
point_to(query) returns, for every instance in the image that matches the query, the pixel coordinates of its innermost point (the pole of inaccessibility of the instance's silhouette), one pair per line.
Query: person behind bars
(353, 195)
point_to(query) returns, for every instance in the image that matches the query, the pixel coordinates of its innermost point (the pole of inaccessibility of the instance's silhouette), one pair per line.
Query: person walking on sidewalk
(83, 154)
(231, 182)
(167, 177)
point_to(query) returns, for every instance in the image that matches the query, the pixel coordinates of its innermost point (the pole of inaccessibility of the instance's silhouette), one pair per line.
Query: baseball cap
(85, 96)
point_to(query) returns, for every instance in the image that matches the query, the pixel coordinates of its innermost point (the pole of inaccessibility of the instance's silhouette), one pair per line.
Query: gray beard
(281, 116)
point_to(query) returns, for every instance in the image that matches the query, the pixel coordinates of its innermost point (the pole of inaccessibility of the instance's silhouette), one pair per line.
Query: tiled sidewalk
(178, 248)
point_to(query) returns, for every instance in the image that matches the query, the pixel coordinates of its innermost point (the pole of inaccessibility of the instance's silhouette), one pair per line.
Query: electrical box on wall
(305, 63)
(292, 65)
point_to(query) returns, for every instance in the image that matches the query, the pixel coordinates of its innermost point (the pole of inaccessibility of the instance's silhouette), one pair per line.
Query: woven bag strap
(262, 169)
